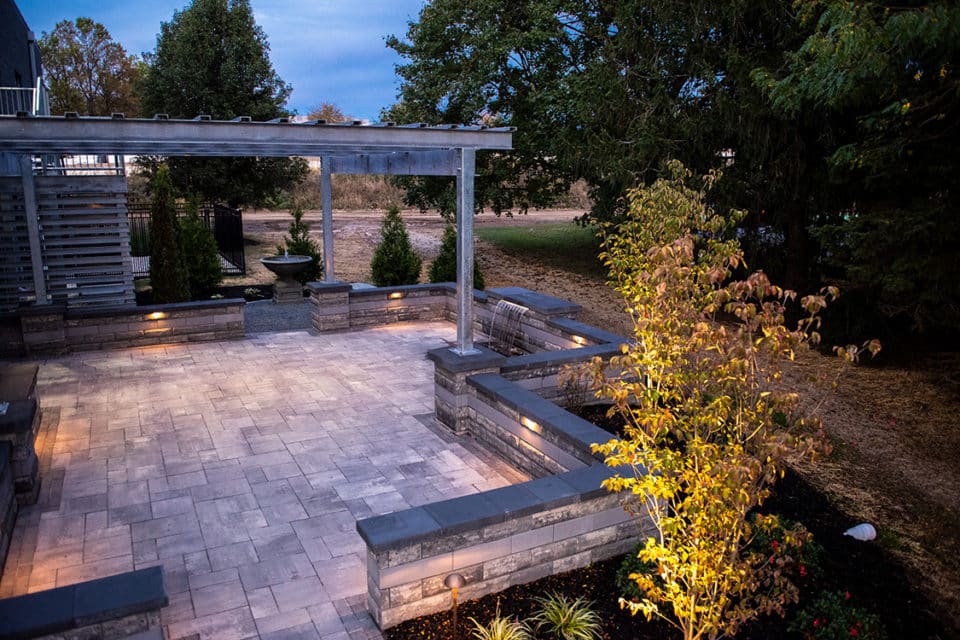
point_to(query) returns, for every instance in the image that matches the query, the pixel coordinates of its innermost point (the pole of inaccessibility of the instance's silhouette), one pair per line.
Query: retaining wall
(561, 520)
(56, 329)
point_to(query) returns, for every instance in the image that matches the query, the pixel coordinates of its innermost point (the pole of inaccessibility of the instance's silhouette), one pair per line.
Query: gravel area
(264, 315)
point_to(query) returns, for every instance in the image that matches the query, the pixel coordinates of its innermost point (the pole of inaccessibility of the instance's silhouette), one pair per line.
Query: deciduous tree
(87, 71)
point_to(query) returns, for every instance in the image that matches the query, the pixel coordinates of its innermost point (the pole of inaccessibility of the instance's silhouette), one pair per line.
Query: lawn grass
(565, 245)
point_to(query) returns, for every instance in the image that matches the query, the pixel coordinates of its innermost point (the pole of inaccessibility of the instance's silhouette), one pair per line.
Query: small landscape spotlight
(453, 582)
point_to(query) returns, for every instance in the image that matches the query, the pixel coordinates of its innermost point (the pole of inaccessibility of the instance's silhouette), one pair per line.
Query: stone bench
(121, 606)
(19, 424)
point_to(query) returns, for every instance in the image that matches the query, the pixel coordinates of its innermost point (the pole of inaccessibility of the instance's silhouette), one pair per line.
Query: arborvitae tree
(394, 260)
(168, 277)
(200, 253)
(444, 267)
(299, 243)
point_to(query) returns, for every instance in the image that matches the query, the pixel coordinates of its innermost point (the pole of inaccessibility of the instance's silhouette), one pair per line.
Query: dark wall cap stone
(398, 529)
(514, 500)
(587, 480)
(464, 513)
(446, 358)
(41, 310)
(329, 287)
(538, 302)
(587, 331)
(558, 358)
(553, 492)
(118, 596)
(380, 292)
(63, 608)
(132, 310)
(37, 614)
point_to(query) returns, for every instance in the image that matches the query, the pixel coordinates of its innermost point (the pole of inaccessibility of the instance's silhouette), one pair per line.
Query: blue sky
(329, 50)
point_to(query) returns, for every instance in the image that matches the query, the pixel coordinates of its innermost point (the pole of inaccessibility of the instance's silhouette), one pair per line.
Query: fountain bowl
(286, 266)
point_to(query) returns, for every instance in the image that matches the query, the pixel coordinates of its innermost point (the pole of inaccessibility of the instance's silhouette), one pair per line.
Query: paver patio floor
(241, 468)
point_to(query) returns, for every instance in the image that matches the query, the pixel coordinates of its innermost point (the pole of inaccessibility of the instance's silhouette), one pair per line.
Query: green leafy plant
(500, 628)
(200, 252)
(787, 544)
(444, 266)
(299, 243)
(833, 616)
(566, 619)
(709, 426)
(394, 260)
(168, 275)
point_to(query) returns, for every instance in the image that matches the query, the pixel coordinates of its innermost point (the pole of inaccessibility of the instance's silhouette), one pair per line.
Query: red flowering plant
(834, 616)
(786, 546)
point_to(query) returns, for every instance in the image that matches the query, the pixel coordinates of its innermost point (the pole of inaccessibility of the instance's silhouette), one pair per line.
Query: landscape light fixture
(453, 582)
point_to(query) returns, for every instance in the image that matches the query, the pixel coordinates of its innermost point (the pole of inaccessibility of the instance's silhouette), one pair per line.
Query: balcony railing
(14, 100)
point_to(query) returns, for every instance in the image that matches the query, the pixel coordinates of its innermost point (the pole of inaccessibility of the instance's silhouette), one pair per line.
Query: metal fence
(225, 223)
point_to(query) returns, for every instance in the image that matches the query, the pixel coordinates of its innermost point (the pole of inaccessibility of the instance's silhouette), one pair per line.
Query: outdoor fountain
(505, 327)
(286, 289)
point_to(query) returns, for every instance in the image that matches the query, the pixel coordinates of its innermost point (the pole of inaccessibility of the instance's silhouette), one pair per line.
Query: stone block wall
(158, 324)
(495, 539)
(561, 520)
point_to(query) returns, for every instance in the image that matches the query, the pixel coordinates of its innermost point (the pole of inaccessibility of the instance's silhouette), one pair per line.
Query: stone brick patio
(241, 468)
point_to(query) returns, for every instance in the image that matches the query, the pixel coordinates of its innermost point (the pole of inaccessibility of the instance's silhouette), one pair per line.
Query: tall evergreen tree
(200, 253)
(168, 274)
(213, 59)
(444, 266)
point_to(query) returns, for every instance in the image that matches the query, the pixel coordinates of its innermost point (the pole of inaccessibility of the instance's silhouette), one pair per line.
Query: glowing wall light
(156, 315)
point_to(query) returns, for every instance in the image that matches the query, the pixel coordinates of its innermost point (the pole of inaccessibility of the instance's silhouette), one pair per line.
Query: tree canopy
(213, 59)
(87, 71)
(825, 113)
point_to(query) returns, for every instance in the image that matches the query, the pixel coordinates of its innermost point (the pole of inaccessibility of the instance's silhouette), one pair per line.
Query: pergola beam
(442, 162)
(49, 134)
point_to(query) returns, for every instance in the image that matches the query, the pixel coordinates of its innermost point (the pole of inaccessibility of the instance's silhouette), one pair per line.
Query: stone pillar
(450, 373)
(43, 328)
(331, 305)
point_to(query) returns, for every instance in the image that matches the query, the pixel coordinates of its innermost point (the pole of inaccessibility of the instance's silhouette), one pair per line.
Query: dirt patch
(894, 428)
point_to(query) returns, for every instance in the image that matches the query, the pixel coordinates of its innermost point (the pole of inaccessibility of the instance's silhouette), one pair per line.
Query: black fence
(225, 223)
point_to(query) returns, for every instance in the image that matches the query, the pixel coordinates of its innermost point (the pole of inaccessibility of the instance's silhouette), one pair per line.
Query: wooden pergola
(382, 148)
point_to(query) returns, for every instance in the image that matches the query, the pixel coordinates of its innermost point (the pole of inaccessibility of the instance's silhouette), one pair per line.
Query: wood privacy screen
(84, 236)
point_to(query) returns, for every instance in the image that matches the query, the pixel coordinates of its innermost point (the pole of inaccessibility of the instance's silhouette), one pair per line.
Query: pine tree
(299, 243)
(168, 277)
(394, 260)
(444, 267)
(200, 253)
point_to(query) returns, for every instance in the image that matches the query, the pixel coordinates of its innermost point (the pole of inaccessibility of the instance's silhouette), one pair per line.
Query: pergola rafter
(350, 147)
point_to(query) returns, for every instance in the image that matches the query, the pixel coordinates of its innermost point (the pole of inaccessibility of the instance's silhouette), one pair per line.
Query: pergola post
(31, 214)
(326, 204)
(466, 172)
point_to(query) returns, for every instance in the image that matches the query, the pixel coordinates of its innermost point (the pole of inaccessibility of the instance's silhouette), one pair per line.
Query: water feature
(505, 328)
(286, 289)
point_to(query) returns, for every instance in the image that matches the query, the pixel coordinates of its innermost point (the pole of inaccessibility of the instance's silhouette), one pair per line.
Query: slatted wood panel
(16, 275)
(86, 239)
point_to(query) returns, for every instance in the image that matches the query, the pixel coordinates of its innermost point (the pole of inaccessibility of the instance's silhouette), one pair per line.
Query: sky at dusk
(329, 50)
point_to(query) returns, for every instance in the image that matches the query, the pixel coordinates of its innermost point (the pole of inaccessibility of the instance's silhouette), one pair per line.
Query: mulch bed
(866, 570)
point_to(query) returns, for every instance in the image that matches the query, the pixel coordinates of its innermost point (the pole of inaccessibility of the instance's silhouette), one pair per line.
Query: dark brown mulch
(875, 580)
